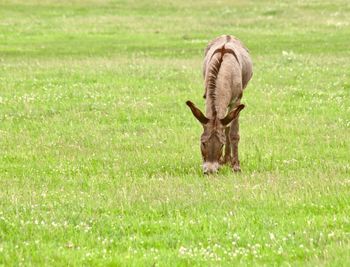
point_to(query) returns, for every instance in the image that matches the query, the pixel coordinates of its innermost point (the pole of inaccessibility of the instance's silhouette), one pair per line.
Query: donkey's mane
(215, 64)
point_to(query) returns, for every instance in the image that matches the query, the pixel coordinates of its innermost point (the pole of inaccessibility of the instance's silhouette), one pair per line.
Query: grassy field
(99, 155)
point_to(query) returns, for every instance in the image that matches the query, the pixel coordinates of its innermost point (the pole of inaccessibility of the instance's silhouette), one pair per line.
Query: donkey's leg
(234, 138)
(227, 158)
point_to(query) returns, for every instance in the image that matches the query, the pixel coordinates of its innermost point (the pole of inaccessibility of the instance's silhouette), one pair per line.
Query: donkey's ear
(232, 115)
(197, 113)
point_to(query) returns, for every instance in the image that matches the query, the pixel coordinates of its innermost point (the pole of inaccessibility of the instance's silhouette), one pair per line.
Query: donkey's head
(213, 137)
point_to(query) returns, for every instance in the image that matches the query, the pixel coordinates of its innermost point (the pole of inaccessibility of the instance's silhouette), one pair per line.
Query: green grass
(99, 155)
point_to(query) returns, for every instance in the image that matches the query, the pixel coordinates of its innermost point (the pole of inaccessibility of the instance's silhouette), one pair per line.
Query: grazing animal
(227, 70)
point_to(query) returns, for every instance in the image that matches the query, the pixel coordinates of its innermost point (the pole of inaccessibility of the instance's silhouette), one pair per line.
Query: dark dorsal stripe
(213, 72)
(223, 51)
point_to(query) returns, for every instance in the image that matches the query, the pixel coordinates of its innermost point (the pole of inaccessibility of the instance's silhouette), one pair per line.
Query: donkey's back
(227, 70)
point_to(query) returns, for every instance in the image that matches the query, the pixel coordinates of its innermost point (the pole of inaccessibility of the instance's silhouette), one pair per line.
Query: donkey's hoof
(236, 168)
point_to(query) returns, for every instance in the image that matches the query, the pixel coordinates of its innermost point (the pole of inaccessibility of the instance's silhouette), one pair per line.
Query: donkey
(227, 70)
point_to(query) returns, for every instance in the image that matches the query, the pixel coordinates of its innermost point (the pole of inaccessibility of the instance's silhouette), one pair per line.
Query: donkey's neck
(219, 93)
(216, 108)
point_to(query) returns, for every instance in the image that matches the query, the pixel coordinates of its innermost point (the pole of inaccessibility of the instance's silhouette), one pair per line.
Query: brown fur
(213, 74)
(227, 70)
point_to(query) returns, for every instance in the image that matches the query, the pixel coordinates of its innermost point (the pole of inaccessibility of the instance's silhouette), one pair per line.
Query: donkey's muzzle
(210, 167)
